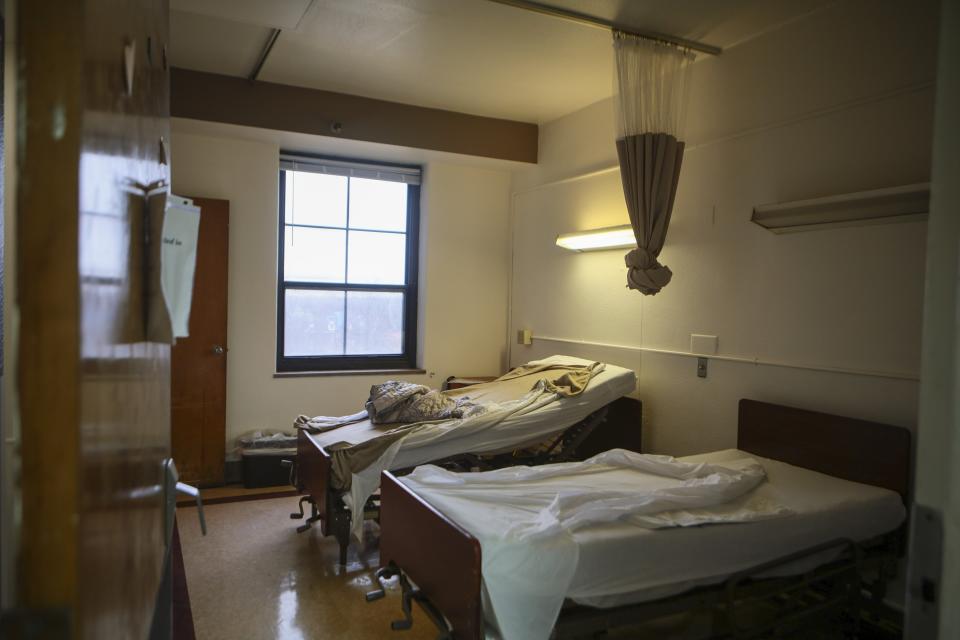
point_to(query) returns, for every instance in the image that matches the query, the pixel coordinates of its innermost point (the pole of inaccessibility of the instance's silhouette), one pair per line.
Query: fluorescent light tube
(598, 239)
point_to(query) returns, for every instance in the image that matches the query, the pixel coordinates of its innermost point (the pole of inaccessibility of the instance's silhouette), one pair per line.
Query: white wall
(464, 273)
(839, 101)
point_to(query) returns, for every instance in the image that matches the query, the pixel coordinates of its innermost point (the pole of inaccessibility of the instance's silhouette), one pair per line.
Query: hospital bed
(599, 418)
(845, 480)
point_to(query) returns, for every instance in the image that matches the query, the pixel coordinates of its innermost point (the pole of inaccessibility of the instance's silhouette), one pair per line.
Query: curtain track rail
(601, 23)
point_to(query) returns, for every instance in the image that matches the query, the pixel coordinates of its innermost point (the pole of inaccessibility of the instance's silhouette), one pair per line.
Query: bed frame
(618, 424)
(444, 577)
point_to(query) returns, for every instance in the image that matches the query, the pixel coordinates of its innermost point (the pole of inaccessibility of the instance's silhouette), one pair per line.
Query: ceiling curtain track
(651, 85)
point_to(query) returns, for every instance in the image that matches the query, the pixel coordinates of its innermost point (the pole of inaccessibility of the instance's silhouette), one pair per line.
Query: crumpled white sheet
(319, 424)
(523, 517)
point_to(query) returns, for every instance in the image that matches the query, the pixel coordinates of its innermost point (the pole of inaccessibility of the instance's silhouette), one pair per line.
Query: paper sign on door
(178, 259)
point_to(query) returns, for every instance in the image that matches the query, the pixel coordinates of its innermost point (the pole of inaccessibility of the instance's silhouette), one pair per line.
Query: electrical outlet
(701, 367)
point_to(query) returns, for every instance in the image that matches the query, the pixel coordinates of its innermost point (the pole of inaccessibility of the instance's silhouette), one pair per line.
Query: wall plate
(924, 573)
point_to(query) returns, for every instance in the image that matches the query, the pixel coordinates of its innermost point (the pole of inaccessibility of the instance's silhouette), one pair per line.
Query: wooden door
(93, 394)
(198, 382)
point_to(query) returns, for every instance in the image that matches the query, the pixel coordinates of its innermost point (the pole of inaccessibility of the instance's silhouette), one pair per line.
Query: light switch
(704, 344)
(525, 336)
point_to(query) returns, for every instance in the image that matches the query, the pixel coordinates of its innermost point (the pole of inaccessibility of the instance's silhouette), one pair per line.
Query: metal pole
(272, 40)
(600, 23)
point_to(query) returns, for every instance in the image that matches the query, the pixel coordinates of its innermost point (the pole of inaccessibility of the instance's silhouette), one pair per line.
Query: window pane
(378, 204)
(377, 258)
(315, 198)
(314, 255)
(374, 322)
(313, 323)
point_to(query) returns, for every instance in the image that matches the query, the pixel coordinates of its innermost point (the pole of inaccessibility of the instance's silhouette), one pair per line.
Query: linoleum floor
(253, 577)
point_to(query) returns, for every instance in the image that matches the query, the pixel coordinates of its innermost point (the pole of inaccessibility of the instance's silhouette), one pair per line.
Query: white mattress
(515, 431)
(622, 564)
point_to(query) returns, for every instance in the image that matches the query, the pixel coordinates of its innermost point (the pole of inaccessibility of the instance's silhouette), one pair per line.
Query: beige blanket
(565, 380)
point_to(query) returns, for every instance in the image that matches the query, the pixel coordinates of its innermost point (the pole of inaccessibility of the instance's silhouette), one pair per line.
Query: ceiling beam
(231, 100)
(609, 25)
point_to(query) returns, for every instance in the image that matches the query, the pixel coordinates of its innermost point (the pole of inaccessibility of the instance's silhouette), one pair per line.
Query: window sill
(347, 372)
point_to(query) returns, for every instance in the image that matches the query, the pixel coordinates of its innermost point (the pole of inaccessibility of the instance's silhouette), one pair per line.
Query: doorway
(198, 367)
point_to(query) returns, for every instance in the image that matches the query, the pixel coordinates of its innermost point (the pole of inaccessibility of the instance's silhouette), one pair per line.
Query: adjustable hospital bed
(843, 481)
(597, 419)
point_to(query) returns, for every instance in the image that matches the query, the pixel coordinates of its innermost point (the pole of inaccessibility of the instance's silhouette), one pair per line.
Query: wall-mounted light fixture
(598, 239)
(896, 204)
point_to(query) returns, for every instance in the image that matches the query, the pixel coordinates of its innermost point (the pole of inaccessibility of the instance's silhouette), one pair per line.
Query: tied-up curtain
(651, 85)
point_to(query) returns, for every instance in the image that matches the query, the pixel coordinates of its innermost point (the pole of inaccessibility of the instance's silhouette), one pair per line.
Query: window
(347, 290)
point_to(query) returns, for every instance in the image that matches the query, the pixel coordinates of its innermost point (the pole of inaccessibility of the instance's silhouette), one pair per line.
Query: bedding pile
(524, 518)
(395, 401)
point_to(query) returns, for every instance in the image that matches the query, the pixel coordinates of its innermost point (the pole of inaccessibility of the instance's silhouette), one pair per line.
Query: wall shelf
(905, 203)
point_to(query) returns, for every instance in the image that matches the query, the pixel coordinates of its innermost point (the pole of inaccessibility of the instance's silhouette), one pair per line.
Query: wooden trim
(314, 476)
(49, 100)
(857, 450)
(219, 98)
(440, 556)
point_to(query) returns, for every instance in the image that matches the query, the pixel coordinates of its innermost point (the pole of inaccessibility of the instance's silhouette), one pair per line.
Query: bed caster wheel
(401, 625)
(376, 594)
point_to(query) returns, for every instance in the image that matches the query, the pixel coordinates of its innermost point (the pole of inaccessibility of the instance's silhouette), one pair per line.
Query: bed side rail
(436, 554)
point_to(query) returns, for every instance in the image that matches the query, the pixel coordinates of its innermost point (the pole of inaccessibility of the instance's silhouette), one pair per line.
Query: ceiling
(472, 56)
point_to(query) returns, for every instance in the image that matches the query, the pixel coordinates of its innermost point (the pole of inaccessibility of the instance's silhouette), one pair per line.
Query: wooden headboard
(857, 450)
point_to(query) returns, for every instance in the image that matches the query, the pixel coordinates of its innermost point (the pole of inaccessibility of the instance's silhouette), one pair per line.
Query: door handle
(173, 486)
(192, 491)
(218, 350)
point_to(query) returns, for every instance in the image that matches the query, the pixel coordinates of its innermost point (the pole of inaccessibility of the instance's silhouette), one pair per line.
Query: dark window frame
(405, 360)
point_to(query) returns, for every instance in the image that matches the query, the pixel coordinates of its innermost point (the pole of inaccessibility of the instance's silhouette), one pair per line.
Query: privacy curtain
(651, 84)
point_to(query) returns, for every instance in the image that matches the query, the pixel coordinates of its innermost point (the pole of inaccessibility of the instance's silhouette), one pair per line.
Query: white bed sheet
(525, 518)
(623, 564)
